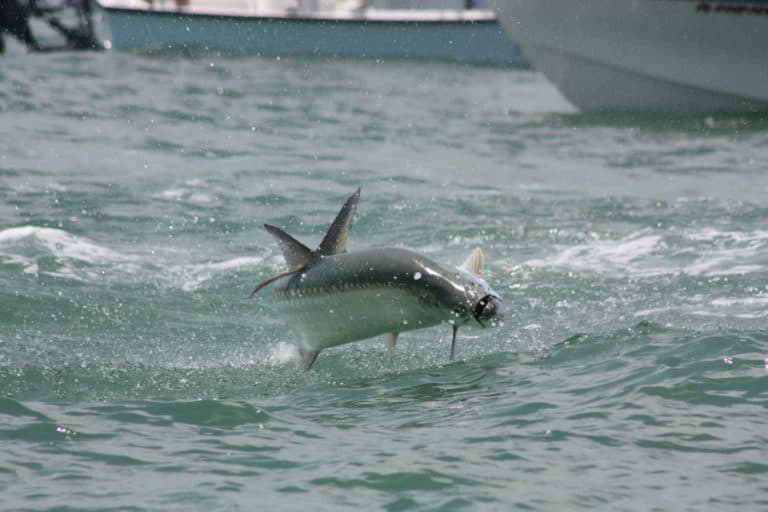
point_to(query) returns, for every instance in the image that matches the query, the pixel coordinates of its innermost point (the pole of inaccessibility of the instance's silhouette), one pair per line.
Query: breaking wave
(41, 251)
(648, 253)
(55, 252)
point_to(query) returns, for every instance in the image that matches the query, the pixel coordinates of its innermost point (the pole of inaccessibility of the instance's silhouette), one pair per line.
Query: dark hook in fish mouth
(489, 309)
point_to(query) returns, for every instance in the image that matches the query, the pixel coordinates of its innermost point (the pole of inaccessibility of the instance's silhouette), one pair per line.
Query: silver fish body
(353, 296)
(335, 297)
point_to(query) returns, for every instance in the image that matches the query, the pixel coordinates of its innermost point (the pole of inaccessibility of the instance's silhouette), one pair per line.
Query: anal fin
(307, 357)
(391, 339)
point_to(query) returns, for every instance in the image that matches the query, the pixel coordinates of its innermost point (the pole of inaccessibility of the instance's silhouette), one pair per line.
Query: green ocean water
(135, 373)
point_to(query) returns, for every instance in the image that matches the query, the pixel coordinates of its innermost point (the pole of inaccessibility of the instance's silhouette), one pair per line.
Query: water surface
(136, 374)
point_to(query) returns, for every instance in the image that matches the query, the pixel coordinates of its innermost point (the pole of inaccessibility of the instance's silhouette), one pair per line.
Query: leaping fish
(336, 297)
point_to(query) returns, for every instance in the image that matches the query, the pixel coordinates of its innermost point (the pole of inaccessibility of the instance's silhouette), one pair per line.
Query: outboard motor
(14, 19)
(71, 20)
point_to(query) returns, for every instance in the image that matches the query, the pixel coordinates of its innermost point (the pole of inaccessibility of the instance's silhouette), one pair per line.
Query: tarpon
(335, 297)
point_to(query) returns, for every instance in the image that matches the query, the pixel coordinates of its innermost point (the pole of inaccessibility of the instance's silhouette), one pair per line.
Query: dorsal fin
(297, 255)
(475, 262)
(335, 241)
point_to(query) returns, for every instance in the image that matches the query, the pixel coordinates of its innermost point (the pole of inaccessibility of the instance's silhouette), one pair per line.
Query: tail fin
(296, 254)
(299, 257)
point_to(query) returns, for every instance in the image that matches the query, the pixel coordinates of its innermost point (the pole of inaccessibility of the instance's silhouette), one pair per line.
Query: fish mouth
(489, 310)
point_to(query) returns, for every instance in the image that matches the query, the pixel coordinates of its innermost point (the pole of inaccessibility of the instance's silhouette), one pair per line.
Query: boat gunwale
(330, 18)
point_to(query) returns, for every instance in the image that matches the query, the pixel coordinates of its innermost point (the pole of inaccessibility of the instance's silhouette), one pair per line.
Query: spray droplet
(417, 276)
(61, 429)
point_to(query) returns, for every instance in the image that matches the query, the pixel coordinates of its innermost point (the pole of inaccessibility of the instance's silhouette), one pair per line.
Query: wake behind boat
(649, 55)
(456, 30)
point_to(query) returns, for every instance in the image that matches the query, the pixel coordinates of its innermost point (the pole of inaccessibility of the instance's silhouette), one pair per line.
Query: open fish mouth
(489, 310)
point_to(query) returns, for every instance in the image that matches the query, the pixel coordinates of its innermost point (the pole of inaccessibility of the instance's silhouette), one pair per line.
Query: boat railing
(298, 7)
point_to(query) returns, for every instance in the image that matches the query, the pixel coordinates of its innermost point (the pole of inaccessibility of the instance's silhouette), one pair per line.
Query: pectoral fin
(453, 342)
(391, 339)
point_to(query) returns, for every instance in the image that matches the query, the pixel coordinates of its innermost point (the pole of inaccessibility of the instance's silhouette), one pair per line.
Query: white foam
(646, 253)
(651, 311)
(56, 187)
(61, 243)
(760, 301)
(200, 198)
(173, 194)
(606, 255)
(28, 264)
(234, 263)
(76, 257)
(186, 194)
(196, 275)
(743, 307)
(283, 353)
(719, 266)
(711, 235)
(65, 247)
(728, 252)
(704, 305)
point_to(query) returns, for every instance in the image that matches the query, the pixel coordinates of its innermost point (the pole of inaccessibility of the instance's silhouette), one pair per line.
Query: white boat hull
(463, 40)
(650, 55)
